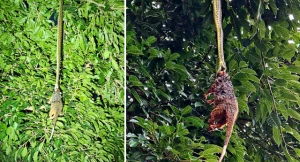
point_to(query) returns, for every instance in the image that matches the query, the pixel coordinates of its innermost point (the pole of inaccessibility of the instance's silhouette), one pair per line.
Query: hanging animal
(226, 109)
(56, 99)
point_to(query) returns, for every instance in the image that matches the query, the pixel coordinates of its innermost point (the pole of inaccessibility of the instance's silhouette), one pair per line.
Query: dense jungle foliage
(172, 60)
(92, 127)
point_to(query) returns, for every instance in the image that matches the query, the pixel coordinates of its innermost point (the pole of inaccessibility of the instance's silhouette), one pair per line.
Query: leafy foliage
(92, 81)
(171, 53)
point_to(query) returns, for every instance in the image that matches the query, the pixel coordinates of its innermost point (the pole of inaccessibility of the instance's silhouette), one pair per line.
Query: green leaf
(287, 76)
(150, 40)
(183, 132)
(10, 131)
(173, 56)
(286, 94)
(195, 121)
(179, 69)
(233, 65)
(276, 135)
(294, 69)
(280, 82)
(253, 56)
(24, 152)
(297, 151)
(212, 150)
(281, 31)
(133, 142)
(283, 110)
(274, 120)
(41, 146)
(243, 106)
(262, 46)
(273, 7)
(134, 50)
(288, 156)
(294, 114)
(293, 84)
(175, 110)
(154, 53)
(59, 124)
(114, 64)
(253, 78)
(248, 71)
(168, 129)
(145, 72)
(163, 94)
(35, 156)
(243, 64)
(241, 77)
(186, 110)
(262, 29)
(106, 54)
(136, 96)
(130, 135)
(276, 50)
(135, 81)
(175, 151)
(288, 54)
(249, 86)
(293, 132)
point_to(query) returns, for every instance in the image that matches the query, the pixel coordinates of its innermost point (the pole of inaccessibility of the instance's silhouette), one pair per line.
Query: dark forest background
(171, 62)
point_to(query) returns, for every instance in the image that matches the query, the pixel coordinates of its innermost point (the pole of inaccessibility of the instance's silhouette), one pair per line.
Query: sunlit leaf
(276, 135)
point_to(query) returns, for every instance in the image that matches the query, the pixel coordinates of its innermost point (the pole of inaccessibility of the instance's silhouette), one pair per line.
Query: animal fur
(225, 107)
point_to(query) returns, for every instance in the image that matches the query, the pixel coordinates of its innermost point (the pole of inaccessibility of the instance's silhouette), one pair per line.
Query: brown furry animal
(225, 107)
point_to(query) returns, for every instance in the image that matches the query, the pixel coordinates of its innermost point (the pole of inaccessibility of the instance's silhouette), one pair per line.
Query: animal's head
(222, 73)
(53, 114)
(56, 88)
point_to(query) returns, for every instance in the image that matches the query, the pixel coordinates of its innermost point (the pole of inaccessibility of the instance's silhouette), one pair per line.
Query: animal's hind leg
(217, 118)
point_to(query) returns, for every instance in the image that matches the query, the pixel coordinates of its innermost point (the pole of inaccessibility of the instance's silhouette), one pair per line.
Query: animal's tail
(52, 132)
(228, 135)
(229, 132)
